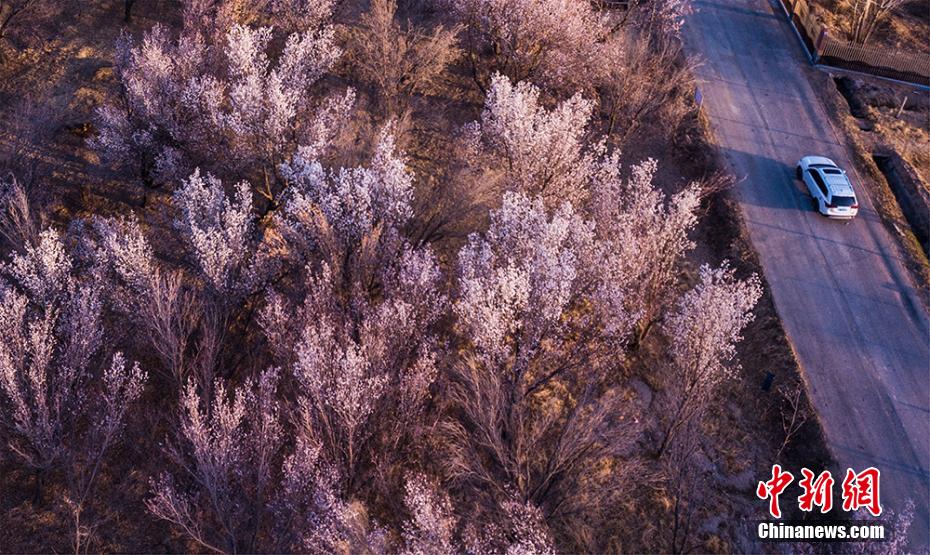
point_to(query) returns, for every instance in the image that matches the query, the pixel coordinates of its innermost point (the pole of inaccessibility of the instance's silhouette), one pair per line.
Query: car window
(819, 181)
(832, 171)
(843, 201)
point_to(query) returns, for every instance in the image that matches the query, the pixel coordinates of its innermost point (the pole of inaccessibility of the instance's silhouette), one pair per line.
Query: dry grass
(897, 114)
(861, 145)
(912, 142)
(906, 29)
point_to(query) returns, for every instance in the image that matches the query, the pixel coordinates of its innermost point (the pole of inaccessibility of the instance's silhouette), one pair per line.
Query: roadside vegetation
(421, 276)
(886, 125)
(897, 24)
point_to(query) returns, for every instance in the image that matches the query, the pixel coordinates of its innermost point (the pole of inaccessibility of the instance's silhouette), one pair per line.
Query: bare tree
(795, 412)
(210, 17)
(105, 421)
(399, 59)
(18, 222)
(558, 44)
(225, 450)
(651, 86)
(155, 299)
(172, 312)
(685, 486)
(868, 15)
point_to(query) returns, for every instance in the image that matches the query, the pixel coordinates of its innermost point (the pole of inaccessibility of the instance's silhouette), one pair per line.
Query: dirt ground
(890, 125)
(897, 116)
(57, 70)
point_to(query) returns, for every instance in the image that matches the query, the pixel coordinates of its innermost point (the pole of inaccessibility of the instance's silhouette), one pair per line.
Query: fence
(913, 67)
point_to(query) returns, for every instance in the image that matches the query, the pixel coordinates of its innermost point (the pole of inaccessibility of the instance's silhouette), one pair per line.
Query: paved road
(845, 297)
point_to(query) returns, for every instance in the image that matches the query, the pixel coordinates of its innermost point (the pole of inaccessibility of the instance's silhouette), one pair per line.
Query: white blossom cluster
(518, 279)
(353, 201)
(360, 343)
(190, 101)
(542, 152)
(707, 324)
(53, 377)
(218, 229)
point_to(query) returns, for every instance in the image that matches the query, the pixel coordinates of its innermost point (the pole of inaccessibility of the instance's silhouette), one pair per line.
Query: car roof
(838, 184)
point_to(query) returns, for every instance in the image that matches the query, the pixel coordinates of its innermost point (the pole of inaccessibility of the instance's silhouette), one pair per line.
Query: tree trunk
(127, 10)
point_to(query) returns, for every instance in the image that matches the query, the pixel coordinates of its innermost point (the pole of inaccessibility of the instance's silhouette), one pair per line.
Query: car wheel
(816, 204)
(797, 172)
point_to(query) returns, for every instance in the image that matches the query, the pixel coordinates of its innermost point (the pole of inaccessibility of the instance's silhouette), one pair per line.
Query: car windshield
(844, 201)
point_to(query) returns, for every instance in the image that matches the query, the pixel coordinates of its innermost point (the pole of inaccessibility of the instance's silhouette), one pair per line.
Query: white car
(829, 186)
